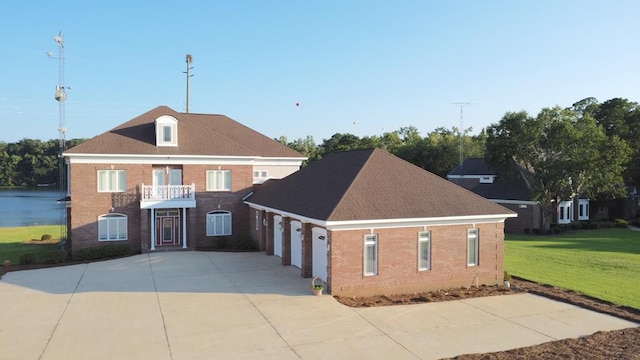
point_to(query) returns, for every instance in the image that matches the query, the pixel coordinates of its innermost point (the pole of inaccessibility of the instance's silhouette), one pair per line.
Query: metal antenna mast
(188, 72)
(462, 105)
(61, 96)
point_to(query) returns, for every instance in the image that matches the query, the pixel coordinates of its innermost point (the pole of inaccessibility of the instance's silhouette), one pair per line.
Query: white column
(184, 227)
(153, 229)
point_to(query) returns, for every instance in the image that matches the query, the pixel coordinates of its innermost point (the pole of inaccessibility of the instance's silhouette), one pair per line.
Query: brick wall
(529, 217)
(398, 260)
(87, 204)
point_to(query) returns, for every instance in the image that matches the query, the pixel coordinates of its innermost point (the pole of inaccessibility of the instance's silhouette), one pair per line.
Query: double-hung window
(112, 180)
(112, 227)
(424, 250)
(218, 223)
(371, 254)
(218, 180)
(473, 241)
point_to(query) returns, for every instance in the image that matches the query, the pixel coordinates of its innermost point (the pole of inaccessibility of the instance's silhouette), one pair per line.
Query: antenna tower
(461, 135)
(188, 72)
(61, 96)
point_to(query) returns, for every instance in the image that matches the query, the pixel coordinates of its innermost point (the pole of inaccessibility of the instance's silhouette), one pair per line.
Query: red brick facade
(397, 257)
(398, 260)
(87, 203)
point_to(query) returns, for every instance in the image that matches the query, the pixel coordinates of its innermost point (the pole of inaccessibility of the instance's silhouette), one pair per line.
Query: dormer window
(166, 131)
(486, 180)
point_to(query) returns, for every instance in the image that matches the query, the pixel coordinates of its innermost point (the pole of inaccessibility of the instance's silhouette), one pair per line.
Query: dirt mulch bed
(619, 344)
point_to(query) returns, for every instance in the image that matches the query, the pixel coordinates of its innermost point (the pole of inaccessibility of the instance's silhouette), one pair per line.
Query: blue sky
(362, 67)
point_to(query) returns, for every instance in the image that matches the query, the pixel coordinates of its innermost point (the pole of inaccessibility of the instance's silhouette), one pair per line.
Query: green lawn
(601, 263)
(12, 238)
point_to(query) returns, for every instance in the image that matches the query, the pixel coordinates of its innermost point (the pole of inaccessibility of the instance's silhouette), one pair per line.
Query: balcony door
(162, 177)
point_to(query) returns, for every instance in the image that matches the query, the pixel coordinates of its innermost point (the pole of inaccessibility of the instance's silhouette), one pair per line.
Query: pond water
(26, 207)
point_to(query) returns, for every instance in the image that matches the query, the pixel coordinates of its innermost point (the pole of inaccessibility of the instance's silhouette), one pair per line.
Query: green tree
(564, 154)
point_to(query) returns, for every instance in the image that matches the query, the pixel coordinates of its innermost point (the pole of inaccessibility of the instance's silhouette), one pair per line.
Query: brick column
(269, 234)
(192, 225)
(307, 250)
(145, 231)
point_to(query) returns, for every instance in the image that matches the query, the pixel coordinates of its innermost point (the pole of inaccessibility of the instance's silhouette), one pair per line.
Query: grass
(12, 240)
(601, 263)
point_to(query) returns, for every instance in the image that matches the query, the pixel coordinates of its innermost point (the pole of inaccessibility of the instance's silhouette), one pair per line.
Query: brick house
(511, 189)
(168, 180)
(368, 222)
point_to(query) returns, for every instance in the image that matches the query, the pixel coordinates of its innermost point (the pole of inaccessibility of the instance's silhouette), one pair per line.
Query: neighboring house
(169, 180)
(620, 208)
(368, 222)
(511, 189)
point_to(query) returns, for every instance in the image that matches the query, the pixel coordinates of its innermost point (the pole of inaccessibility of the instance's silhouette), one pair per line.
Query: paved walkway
(204, 305)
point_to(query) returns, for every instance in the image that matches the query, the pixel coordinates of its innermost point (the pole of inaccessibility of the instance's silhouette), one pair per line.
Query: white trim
(179, 159)
(153, 229)
(514, 202)
(376, 247)
(389, 223)
(421, 240)
(471, 176)
(184, 228)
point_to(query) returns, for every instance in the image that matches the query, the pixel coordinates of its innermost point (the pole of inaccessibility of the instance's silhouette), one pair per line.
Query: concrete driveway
(206, 305)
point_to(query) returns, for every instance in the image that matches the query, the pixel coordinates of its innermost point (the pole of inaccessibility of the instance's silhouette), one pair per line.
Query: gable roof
(198, 134)
(369, 185)
(509, 184)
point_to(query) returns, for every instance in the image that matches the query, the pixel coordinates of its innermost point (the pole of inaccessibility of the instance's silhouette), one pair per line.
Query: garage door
(277, 236)
(296, 243)
(319, 249)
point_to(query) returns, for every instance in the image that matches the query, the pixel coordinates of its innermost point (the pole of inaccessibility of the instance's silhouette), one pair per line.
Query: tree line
(589, 148)
(30, 162)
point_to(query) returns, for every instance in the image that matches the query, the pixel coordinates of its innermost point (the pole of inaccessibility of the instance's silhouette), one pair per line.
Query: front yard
(601, 263)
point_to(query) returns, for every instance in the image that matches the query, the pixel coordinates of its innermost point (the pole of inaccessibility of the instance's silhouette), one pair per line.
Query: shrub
(55, 257)
(507, 276)
(27, 258)
(45, 237)
(575, 226)
(245, 244)
(222, 242)
(622, 223)
(102, 252)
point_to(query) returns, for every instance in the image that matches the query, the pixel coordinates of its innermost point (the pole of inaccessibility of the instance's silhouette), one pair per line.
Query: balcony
(163, 196)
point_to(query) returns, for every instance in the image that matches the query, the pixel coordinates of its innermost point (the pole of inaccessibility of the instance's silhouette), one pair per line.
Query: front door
(277, 236)
(167, 227)
(319, 252)
(296, 244)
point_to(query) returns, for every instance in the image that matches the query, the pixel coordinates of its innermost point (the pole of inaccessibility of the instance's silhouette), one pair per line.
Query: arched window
(218, 223)
(112, 227)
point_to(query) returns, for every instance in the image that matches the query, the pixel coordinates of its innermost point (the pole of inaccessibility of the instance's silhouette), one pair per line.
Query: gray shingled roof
(198, 134)
(369, 185)
(509, 184)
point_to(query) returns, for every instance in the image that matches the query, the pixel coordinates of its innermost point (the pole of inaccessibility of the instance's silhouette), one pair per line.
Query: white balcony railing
(168, 192)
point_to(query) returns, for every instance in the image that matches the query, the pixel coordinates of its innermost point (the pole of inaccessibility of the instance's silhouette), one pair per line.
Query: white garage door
(296, 243)
(277, 235)
(319, 249)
